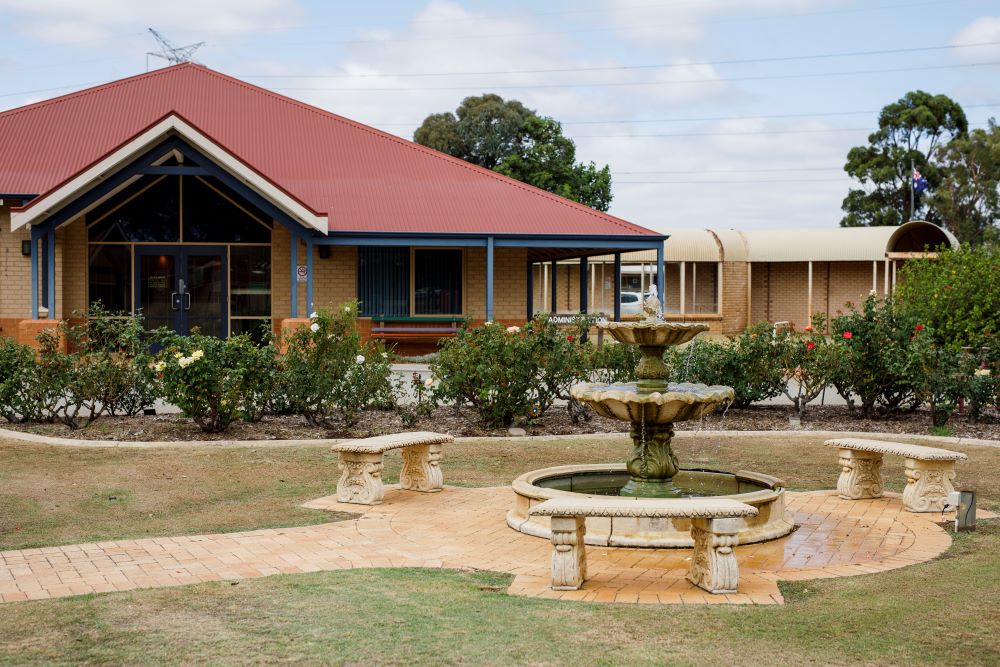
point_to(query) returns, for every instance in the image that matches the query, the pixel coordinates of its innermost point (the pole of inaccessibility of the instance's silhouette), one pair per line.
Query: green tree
(507, 137)
(547, 160)
(957, 295)
(483, 130)
(968, 198)
(910, 132)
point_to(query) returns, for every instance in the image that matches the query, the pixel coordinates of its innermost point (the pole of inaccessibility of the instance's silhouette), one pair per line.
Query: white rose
(983, 372)
(313, 315)
(197, 354)
(184, 362)
(360, 359)
(429, 382)
(159, 366)
(513, 329)
(178, 355)
(314, 327)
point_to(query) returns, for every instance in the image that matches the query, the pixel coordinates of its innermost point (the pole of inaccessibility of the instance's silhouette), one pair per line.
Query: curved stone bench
(929, 471)
(361, 463)
(714, 524)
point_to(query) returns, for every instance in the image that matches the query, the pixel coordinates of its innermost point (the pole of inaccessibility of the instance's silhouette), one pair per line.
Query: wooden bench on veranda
(930, 471)
(415, 328)
(714, 525)
(361, 464)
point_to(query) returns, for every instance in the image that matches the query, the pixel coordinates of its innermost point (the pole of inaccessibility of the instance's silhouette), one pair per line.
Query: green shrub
(509, 374)
(957, 295)
(809, 365)
(943, 375)
(327, 375)
(611, 362)
(213, 381)
(23, 395)
(877, 367)
(752, 363)
(983, 391)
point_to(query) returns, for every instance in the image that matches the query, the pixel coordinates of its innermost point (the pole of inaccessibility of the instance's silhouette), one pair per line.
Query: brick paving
(465, 528)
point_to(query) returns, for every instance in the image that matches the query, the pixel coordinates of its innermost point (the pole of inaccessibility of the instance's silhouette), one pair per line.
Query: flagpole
(913, 188)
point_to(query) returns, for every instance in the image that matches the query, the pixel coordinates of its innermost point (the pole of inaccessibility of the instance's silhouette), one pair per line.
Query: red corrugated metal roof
(362, 178)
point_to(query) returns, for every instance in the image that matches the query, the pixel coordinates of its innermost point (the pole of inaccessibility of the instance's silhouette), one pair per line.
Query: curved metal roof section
(837, 244)
(364, 179)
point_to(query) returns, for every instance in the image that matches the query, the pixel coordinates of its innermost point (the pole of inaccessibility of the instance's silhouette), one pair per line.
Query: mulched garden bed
(555, 422)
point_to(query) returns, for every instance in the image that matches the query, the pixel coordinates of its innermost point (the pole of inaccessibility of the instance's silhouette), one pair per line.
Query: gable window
(409, 282)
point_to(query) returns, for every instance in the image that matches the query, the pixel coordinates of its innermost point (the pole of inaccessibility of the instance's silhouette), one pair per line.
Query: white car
(631, 303)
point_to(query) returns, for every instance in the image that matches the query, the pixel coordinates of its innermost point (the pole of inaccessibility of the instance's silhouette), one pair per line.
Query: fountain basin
(764, 492)
(678, 402)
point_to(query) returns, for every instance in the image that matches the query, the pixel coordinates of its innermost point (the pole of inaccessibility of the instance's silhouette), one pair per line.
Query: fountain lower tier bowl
(764, 492)
(675, 402)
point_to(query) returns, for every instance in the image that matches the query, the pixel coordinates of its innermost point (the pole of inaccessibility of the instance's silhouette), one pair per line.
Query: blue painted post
(34, 274)
(295, 277)
(489, 279)
(309, 276)
(51, 263)
(531, 291)
(618, 287)
(554, 308)
(659, 276)
(584, 284)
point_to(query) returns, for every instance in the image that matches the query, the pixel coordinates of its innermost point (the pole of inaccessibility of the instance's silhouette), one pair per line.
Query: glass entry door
(183, 288)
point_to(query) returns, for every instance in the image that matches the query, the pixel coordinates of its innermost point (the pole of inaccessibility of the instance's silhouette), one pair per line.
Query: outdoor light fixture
(26, 248)
(964, 504)
(324, 252)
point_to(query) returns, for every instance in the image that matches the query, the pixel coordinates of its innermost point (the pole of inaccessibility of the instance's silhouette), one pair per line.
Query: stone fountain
(652, 406)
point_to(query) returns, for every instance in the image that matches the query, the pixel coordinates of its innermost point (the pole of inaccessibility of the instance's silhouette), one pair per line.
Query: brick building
(729, 279)
(204, 202)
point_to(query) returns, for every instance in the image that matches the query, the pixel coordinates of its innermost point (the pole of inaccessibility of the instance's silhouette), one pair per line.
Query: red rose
(920, 327)
(810, 345)
(808, 328)
(569, 338)
(848, 335)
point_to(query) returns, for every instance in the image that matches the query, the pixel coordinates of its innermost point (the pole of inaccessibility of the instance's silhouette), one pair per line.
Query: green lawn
(942, 612)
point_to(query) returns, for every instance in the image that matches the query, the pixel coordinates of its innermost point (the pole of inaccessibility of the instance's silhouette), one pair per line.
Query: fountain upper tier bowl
(653, 333)
(626, 402)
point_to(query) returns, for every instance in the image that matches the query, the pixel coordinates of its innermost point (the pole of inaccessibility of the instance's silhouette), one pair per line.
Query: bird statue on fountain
(651, 305)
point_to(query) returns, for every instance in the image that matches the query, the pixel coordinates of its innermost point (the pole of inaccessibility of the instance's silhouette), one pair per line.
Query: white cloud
(75, 22)
(682, 24)
(984, 29)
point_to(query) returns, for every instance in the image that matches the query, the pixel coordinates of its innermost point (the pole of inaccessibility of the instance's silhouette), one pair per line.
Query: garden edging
(190, 444)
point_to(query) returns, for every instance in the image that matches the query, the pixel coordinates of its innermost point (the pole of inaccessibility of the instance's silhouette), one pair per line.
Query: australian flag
(919, 182)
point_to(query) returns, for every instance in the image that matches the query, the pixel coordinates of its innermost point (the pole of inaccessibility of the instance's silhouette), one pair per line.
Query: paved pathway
(465, 529)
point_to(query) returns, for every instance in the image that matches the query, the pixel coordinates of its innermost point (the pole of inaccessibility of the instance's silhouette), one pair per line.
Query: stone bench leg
(360, 478)
(928, 484)
(422, 468)
(569, 555)
(713, 564)
(860, 475)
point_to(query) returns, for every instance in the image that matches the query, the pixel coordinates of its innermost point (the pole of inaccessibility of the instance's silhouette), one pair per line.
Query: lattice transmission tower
(173, 54)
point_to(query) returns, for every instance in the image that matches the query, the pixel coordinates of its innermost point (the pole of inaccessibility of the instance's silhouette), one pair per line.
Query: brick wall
(734, 297)
(15, 276)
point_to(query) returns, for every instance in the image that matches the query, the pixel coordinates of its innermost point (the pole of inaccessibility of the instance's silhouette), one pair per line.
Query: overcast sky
(649, 87)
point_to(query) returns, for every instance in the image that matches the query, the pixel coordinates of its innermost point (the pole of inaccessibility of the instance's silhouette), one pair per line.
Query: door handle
(187, 303)
(175, 300)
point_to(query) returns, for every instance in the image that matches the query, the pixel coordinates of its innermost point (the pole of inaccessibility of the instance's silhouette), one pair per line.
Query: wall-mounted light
(26, 248)
(324, 252)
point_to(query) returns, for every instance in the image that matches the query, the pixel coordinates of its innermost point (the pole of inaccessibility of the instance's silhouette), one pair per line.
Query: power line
(755, 170)
(697, 119)
(616, 84)
(734, 133)
(728, 182)
(614, 68)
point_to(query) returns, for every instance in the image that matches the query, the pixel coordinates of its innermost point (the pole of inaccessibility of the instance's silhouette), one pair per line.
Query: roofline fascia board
(636, 242)
(72, 189)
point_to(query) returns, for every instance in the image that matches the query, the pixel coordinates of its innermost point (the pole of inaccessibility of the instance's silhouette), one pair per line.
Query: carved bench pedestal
(928, 484)
(422, 468)
(569, 555)
(360, 478)
(713, 563)
(860, 475)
